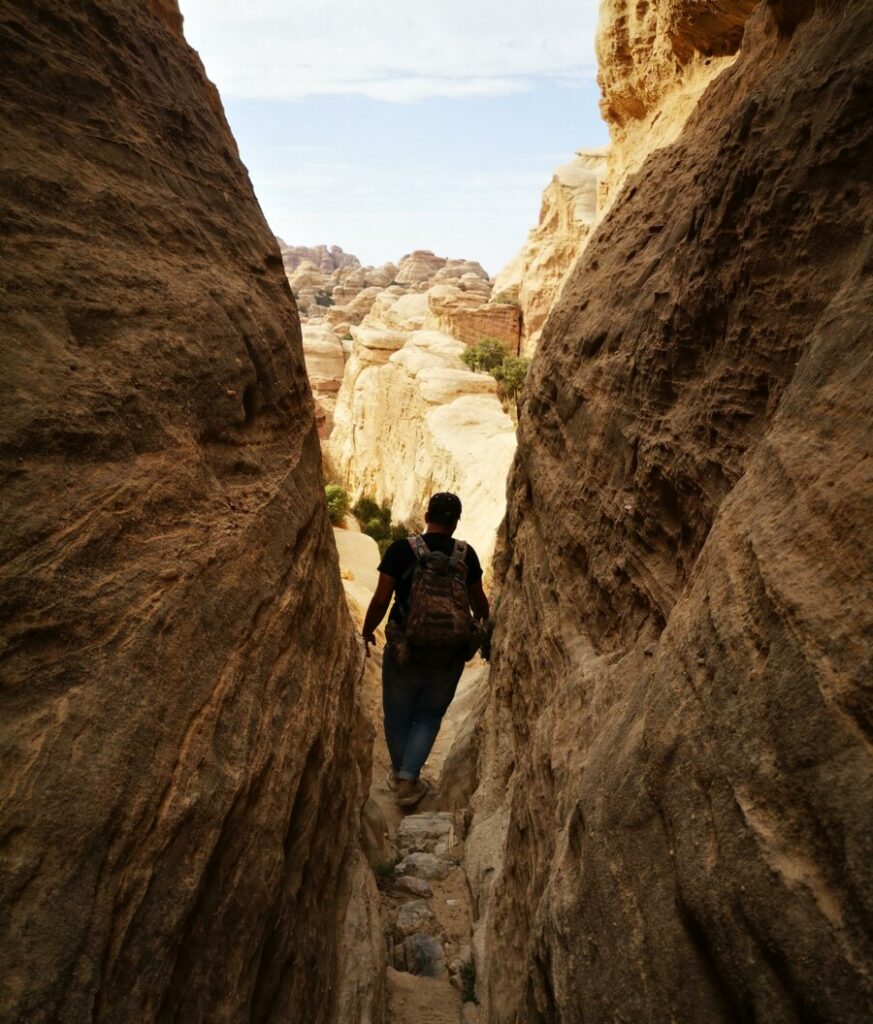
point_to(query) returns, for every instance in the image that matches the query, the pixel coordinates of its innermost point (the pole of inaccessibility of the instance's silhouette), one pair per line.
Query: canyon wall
(183, 759)
(673, 821)
(411, 420)
(655, 59)
(409, 417)
(568, 211)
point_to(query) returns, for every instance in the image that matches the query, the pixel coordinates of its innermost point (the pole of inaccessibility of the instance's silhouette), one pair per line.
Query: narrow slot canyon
(653, 803)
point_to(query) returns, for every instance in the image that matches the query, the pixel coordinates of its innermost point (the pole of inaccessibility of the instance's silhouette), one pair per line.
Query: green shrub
(323, 299)
(376, 528)
(365, 509)
(489, 356)
(386, 873)
(485, 356)
(510, 376)
(337, 503)
(375, 520)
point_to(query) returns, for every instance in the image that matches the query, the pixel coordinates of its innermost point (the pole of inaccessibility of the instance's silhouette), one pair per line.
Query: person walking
(436, 582)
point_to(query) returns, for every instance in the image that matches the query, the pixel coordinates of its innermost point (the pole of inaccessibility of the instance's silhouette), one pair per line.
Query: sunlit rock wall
(534, 278)
(411, 419)
(655, 59)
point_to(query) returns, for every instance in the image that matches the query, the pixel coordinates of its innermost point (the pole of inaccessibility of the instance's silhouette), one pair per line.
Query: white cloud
(277, 49)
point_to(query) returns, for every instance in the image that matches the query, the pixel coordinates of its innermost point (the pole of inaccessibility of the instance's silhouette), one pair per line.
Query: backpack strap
(459, 554)
(419, 549)
(458, 557)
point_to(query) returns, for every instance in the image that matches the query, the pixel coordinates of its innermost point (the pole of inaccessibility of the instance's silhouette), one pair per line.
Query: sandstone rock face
(325, 363)
(183, 762)
(467, 315)
(655, 59)
(674, 819)
(411, 419)
(327, 258)
(418, 267)
(535, 277)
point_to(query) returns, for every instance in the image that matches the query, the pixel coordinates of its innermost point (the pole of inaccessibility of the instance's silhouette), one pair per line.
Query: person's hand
(369, 638)
(485, 648)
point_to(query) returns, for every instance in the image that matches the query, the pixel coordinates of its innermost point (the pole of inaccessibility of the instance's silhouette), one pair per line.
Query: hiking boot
(391, 780)
(410, 791)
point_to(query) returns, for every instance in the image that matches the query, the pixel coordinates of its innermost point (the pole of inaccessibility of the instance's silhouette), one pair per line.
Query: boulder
(415, 916)
(424, 865)
(419, 833)
(413, 887)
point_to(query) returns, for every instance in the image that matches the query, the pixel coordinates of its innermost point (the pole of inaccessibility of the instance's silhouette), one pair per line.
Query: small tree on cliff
(485, 356)
(510, 377)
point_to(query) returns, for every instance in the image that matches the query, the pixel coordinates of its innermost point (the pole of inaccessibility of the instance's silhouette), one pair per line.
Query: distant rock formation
(325, 363)
(326, 258)
(411, 419)
(402, 413)
(673, 820)
(183, 762)
(568, 212)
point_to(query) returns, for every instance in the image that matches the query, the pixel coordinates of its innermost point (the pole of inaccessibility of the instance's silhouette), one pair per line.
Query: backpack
(438, 613)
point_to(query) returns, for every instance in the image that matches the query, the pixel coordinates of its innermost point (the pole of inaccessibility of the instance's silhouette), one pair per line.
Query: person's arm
(377, 609)
(479, 602)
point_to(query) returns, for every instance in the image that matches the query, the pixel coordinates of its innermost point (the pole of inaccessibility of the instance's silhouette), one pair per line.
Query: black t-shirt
(399, 561)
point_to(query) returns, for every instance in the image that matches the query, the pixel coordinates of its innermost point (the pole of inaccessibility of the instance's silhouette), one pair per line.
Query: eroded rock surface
(411, 419)
(681, 686)
(325, 364)
(182, 758)
(655, 60)
(568, 211)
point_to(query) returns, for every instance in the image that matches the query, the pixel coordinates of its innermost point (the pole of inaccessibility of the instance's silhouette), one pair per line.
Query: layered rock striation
(183, 761)
(674, 816)
(655, 59)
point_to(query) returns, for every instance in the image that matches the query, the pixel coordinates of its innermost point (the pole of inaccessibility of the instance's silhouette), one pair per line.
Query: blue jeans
(414, 699)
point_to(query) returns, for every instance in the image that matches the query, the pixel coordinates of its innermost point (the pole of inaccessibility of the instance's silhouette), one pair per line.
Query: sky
(385, 127)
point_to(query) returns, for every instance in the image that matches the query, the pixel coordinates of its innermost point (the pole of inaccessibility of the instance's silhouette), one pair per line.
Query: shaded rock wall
(674, 819)
(182, 757)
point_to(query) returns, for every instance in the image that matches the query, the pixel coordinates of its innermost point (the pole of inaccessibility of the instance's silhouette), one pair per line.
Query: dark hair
(444, 508)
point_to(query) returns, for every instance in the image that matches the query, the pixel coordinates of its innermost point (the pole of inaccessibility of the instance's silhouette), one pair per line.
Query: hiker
(430, 633)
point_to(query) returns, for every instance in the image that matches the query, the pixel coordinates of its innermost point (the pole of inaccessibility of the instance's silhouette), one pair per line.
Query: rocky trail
(424, 898)
(417, 855)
